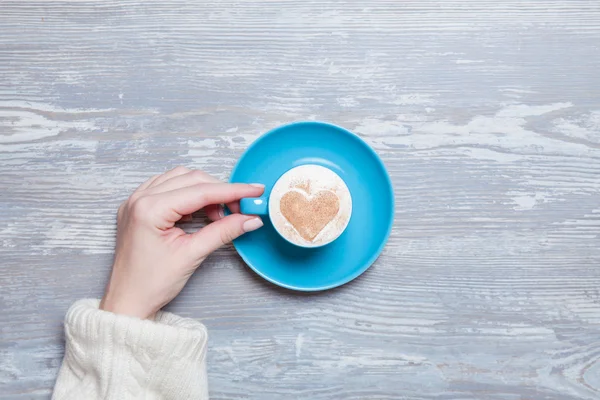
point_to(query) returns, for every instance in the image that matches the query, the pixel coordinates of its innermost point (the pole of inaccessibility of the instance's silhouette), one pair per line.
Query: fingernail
(221, 211)
(252, 224)
(258, 185)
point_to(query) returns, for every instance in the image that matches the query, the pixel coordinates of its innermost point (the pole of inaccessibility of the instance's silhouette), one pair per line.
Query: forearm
(110, 356)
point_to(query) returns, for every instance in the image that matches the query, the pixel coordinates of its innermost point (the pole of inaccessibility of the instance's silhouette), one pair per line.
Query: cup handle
(254, 206)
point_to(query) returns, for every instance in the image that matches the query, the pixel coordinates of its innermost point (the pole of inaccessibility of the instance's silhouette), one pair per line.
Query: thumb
(221, 232)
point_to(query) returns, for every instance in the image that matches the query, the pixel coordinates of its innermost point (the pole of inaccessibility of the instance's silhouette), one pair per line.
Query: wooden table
(487, 114)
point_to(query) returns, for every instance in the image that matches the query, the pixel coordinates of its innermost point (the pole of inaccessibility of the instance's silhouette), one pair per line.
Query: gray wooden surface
(487, 114)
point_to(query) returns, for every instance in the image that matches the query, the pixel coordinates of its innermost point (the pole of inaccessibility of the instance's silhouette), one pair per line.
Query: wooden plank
(487, 114)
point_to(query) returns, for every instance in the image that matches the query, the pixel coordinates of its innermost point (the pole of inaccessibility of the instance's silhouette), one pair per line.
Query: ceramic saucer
(292, 267)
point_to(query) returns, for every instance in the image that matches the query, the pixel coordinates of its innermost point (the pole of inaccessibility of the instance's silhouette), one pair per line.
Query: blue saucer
(288, 146)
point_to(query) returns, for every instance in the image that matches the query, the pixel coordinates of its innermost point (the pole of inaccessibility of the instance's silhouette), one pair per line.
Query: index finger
(190, 199)
(190, 178)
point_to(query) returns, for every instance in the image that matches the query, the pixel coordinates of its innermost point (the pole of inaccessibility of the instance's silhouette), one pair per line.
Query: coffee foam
(310, 186)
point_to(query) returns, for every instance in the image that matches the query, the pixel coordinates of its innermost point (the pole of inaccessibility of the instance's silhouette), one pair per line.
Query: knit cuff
(136, 356)
(168, 335)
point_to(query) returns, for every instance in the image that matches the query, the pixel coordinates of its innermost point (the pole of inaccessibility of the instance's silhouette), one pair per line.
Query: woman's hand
(154, 259)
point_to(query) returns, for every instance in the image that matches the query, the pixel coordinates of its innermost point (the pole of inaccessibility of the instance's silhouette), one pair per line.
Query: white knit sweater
(109, 356)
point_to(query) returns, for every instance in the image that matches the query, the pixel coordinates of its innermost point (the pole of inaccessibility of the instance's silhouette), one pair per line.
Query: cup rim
(281, 234)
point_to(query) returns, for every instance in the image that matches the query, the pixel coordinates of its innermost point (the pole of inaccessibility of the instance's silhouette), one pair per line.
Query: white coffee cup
(309, 206)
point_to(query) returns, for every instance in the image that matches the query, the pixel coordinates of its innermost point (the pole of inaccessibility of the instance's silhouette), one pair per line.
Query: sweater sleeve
(110, 356)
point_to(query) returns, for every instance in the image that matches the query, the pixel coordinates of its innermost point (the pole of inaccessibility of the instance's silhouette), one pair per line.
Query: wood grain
(486, 113)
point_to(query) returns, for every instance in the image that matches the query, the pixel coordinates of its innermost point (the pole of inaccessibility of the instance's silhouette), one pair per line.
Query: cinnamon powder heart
(309, 215)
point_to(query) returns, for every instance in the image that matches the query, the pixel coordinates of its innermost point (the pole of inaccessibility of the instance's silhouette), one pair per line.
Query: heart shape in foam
(309, 215)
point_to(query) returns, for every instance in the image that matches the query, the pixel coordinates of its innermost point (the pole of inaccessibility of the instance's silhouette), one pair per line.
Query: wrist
(123, 306)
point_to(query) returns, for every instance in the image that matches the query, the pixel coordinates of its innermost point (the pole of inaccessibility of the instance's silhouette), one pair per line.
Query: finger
(170, 174)
(215, 235)
(178, 202)
(146, 184)
(214, 212)
(192, 178)
(188, 179)
(234, 207)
